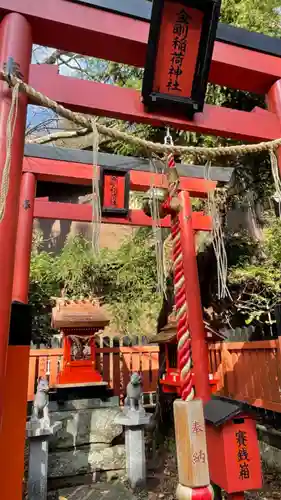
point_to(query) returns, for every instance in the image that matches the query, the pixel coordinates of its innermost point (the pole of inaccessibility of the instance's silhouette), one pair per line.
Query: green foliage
(253, 15)
(123, 279)
(75, 267)
(241, 250)
(43, 286)
(256, 282)
(272, 241)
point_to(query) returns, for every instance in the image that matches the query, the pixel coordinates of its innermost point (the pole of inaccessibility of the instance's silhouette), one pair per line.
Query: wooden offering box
(233, 448)
(79, 322)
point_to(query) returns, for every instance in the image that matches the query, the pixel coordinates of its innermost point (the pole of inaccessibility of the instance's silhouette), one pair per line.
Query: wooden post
(16, 43)
(199, 345)
(12, 437)
(278, 346)
(192, 455)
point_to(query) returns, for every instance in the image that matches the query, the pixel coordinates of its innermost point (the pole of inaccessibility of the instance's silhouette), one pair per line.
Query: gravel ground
(162, 482)
(162, 485)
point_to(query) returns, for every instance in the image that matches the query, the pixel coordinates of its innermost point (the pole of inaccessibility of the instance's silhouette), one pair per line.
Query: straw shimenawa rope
(11, 123)
(157, 231)
(276, 178)
(217, 240)
(96, 202)
(85, 121)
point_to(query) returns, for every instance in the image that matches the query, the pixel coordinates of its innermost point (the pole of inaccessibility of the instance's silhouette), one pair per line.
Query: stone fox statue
(41, 401)
(134, 392)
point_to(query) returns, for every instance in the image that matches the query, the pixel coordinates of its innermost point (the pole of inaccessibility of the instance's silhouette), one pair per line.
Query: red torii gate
(241, 60)
(43, 169)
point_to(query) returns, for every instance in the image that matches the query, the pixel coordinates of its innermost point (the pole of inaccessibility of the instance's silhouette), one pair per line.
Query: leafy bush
(123, 279)
(256, 282)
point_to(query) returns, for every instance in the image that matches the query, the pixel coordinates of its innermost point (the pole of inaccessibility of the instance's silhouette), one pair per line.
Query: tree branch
(64, 134)
(52, 59)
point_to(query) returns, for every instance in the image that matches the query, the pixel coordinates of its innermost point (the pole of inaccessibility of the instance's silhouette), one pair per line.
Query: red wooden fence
(248, 371)
(115, 363)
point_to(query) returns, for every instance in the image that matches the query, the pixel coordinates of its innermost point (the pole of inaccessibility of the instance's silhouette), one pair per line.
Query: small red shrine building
(169, 372)
(79, 322)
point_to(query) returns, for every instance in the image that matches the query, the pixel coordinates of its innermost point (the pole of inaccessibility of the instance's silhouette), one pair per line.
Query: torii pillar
(15, 43)
(12, 436)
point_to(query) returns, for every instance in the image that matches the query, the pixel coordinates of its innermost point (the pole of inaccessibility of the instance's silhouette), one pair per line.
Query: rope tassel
(276, 177)
(157, 232)
(96, 203)
(218, 242)
(11, 125)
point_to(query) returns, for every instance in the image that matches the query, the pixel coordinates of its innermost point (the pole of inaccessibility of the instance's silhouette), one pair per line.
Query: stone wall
(89, 443)
(270, 447)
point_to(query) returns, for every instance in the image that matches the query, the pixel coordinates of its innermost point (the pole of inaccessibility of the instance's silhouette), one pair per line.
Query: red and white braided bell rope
(183, 334)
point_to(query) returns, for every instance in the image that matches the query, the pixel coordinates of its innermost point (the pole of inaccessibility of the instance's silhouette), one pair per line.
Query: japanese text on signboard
(242, 454)
(198, 457)
(113, 190)
(179, 45)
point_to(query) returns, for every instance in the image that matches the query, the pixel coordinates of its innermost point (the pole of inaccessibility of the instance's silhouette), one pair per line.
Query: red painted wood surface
(24, 238)
(249, 371)
(17, 363)
(15, 43)
(77, 371)
(239, 366)
(222, 442)
(115, 363)
(33, 360)
(125, 104)
(196, 327)
(165, 47)
(77, 173)
(116, 374)
(77, 212)
(105, 355)
(93, 32)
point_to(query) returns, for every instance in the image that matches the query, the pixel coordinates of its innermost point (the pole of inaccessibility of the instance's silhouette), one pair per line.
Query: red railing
(115, 363)
(248, 371)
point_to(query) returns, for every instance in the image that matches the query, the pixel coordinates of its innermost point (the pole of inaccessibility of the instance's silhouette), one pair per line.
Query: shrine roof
(78, 314)
(169, 333)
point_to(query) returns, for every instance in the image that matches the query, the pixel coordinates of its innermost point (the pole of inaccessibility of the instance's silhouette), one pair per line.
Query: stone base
(85, 460)
(134, 422)
(133, 418)
(93, 492)
(85, 427)
(110, 476)
(83, 446)
(38, 429)
(39, 432)
(83, 440)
